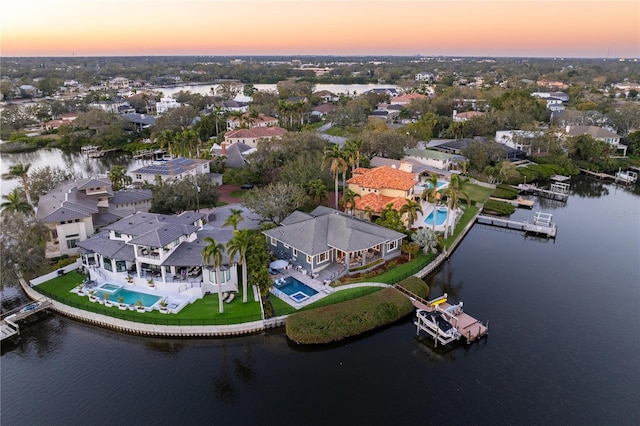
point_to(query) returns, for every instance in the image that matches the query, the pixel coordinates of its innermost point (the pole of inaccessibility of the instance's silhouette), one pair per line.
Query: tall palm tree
(212, 253)
(453, 192)
(239, 244)
(119, 178)
(432, 195)
(411, 209)
(14, 203)
(349, 200)
(353, 149)
(20, 171)
(234, 219)
(337, 164)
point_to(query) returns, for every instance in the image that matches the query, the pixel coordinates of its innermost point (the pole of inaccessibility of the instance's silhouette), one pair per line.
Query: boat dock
(9, 324)
(463, 325)
(519, 202)
(558, 191)
(541, 225)
(598, 175)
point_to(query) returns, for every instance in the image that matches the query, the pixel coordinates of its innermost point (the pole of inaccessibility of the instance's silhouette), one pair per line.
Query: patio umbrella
(278, 264)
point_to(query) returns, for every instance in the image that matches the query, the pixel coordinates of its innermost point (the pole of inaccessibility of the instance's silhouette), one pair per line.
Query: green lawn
(201, 312)
(477, 193)
(467, 216)
(283, 308)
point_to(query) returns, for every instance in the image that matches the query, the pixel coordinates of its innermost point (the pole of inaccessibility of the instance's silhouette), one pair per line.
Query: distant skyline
(531, 28)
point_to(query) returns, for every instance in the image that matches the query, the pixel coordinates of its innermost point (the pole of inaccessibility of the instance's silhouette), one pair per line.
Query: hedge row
(505, 191)
(498, 207)
(336, 322)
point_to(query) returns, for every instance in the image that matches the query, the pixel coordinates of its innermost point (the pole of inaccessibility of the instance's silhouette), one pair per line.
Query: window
(72, 241)
(138, 176)
(224, 276)
(106, 263)
(274, 242)
(309, 260)
(294, 252)
(117, 234)
(323, 257)
(392, 245)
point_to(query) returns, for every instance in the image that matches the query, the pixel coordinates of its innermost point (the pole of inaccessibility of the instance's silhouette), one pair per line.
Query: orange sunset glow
(209, 27)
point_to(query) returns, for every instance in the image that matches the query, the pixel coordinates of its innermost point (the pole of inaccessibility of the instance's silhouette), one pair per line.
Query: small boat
(626, 176)
(437, 322)
(30, 307)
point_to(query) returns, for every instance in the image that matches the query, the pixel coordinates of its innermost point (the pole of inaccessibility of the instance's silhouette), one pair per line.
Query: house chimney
(223, 150)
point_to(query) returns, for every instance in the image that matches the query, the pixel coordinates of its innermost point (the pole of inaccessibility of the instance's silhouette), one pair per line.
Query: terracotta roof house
(464, 116)
(406, 99)
(328, 240)
(380, 186)
(247, 120)
(164, 248)
(75, 210)
(322, 110)
(252, 136)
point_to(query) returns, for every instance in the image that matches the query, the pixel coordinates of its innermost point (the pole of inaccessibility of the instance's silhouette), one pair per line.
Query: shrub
(416, 286)
(346, 319)
(507, 192)
(499, 207)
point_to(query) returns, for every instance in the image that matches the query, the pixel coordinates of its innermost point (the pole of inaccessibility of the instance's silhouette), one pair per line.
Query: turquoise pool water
(441, 216)
(292, 286)
(441, 183)
(109, 288)
(130, 297)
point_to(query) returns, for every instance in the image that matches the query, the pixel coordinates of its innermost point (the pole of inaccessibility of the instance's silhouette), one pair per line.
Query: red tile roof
(377, 202)
(383, 177)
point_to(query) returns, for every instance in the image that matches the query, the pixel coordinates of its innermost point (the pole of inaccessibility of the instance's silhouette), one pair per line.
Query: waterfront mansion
(163, 251)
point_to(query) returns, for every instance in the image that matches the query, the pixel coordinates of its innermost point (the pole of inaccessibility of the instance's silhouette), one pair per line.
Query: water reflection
(588, 188)
(443, 282)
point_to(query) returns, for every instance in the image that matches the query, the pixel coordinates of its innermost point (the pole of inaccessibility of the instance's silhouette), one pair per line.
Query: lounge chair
(230, 298)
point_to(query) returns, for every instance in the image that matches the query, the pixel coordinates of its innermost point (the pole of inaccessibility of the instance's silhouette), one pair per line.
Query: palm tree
(411, 209)
(239, 244)
(349, 200)
(317, 191)
(234, 219)
(117, 176)
(454, 192)
(337, 165)
(14, 203)
(352, 149)
(212, 252)
(20, 171)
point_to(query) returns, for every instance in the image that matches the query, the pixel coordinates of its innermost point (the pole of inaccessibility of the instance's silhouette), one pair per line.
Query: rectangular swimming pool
(130, 297)
(295, 289)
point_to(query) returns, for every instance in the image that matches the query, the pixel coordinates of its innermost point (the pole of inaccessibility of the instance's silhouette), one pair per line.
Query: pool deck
(322, 289)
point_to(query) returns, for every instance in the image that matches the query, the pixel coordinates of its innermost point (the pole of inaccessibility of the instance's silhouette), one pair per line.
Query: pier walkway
(541, 224)
(559, 190)
(519, 202)
(9, 323)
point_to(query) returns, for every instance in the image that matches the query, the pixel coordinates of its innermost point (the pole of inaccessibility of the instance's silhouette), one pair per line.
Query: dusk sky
(560, 28)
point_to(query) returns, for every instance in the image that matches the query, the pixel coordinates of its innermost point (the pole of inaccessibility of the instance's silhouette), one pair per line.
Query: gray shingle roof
(100, 243)
(130, 196)
(163, 234)
(332, 230)
(190, 253)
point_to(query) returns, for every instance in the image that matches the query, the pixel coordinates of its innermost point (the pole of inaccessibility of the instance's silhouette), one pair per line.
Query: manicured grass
(400, 272)
(477, 193)
(467, 216)
(281, 307)
(335, 131)
(351, 318)
(201, 312)
(499, 207)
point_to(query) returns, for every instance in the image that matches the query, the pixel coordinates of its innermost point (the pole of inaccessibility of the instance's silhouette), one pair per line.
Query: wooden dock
(467, 326)
(559, 191)
(519, 202)
(541, 224)
(9, 324)
(598, 175)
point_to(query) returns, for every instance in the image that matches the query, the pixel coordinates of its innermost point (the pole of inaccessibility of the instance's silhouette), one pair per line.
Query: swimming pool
(130, 297)
(441, 183)
(441, 216)
(109, 288)
(296, 290)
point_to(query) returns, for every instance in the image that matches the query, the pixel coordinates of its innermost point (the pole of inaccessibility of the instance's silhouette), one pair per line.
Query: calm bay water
(76, 161)
(563, 348)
